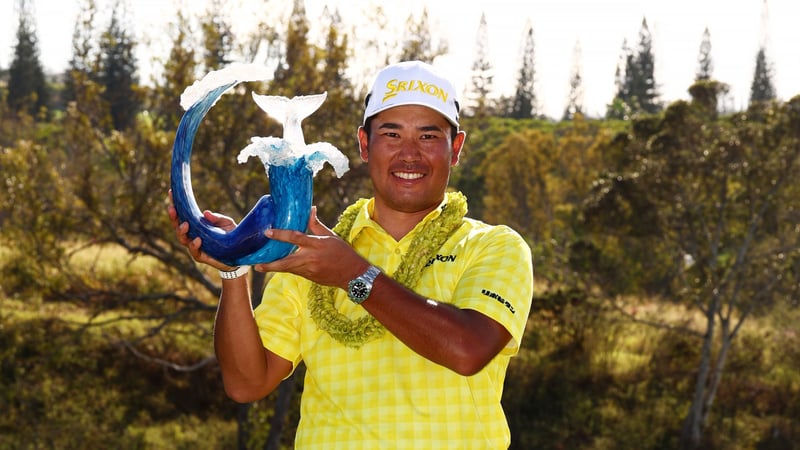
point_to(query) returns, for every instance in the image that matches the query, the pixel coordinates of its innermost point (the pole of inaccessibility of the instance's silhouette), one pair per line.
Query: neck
(398, 223)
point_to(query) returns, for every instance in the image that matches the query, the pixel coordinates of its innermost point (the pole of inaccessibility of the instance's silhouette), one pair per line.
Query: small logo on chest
(441, 258)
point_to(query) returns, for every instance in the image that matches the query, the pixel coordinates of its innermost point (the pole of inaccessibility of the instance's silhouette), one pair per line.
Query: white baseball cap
(412, 83)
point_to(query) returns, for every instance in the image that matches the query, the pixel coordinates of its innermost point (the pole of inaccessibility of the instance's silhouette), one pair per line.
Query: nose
(409, 152)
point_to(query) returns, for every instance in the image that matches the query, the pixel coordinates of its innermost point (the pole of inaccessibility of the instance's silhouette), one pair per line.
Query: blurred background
(646, 151)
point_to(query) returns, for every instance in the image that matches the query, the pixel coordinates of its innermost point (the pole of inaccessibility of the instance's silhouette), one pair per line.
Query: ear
(363, 144)
(458, 144)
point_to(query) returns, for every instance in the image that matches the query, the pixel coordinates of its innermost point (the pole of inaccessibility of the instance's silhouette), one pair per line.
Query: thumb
(315, 226)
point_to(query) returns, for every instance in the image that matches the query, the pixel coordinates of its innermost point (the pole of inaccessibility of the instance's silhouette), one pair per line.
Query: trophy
(290, 164)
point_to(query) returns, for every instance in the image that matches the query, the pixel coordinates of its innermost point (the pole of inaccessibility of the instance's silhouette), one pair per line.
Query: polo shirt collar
(364, 219)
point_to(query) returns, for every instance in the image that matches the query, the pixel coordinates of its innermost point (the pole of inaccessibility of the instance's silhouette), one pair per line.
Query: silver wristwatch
(360, 287)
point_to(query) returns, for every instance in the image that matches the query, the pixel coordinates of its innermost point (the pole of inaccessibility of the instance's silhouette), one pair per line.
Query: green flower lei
(355, 333)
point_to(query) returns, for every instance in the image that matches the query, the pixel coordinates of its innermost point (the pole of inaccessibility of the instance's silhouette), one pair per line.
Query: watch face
(359, 290)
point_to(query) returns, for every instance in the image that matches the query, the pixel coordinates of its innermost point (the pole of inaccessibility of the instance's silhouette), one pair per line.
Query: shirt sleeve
(498, 281)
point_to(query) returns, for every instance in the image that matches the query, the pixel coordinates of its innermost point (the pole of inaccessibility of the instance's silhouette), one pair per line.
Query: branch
(169, 364)
(658, 325)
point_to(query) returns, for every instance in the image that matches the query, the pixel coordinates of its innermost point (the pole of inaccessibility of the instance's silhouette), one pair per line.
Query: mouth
(408, 175)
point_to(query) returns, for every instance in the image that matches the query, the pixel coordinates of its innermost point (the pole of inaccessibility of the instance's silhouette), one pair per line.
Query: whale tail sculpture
(290, 164)
(290, 112)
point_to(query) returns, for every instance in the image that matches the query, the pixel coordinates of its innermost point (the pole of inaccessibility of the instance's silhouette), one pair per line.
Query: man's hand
(193, 245)
(321, 255)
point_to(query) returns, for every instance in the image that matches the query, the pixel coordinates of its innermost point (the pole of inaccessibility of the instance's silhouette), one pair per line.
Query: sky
(597, 27)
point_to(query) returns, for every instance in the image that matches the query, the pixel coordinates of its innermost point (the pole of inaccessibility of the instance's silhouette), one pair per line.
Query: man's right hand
(193, 245)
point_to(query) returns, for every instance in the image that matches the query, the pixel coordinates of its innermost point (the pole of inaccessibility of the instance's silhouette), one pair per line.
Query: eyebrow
(396, 126)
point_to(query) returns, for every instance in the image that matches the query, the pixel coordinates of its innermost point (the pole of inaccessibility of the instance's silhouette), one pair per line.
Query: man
(406, 322)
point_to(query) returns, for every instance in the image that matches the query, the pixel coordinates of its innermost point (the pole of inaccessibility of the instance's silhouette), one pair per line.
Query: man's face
(410, 152)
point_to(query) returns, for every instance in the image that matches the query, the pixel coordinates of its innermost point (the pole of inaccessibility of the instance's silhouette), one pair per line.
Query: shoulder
(481, 240)
(476, 229)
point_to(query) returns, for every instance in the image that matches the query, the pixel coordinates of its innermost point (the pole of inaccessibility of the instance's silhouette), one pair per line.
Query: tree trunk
(691, 432)
(285, 392)
(719, 367)
(243, 410)
(243, 425)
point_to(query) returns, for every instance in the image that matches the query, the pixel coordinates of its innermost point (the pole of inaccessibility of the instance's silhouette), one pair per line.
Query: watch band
(233, 274)
(359, 288)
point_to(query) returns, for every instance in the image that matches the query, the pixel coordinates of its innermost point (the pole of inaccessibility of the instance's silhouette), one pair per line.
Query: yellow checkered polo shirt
(383, 395)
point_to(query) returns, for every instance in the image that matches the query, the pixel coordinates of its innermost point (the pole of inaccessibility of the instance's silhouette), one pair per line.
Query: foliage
(575, 97)
(705, 63)
(83, 63)
(589, 376)
(708, 208)
(179, 71)
(218, 36)
(105, 320)
(524, 103)
(534, 180)
(420, 43)
(637, 91)
(762, 88)
(27, 90)
(117, 71)
(482, 75)
(68, 386)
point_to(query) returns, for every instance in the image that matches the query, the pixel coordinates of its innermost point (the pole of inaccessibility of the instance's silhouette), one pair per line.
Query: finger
(290, 236)
(316, 227)
(182, 232)
(218, 220)
(279, 265)
(292, 263)
(194, 248)
(212, 218)
(171, 211)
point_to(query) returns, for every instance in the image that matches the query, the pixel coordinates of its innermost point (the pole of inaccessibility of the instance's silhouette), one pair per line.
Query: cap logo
(395, 86)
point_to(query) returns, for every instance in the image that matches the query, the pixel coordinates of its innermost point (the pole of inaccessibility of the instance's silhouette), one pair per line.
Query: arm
(462, 340)
(249, 371)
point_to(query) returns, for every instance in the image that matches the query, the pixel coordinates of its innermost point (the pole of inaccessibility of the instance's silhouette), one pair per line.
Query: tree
(643, 82)
(118, 69)
(336, 121)
(637, 91)
(705, 64)
(575, 96)
(517, 183)
(27, 87)
(535, 180)
(298, 71)
(524, 103)
(705, 207)
(83, 65)
(218, 36)
(179, 71)
(482, 74)
(419, 43)
(375, 46)
(762, 88)
(620, 107)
